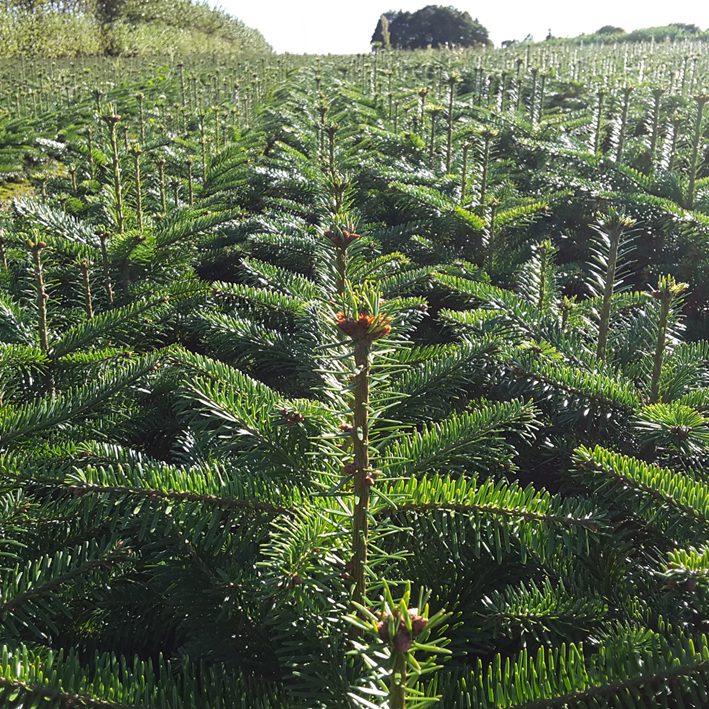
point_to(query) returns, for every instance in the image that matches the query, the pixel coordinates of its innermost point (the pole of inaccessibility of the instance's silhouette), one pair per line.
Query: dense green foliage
(372, 381)
(67, 28)
(432, 26)
(674, 32)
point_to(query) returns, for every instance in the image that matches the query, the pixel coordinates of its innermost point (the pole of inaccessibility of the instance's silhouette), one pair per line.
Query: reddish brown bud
(418, 625)
(365, 328)
(291, 581)
(341, 238)
(383, 630)
(292, 418)
(402, 639)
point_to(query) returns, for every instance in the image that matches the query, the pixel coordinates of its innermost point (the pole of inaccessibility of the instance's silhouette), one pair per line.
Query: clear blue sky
(343, 27)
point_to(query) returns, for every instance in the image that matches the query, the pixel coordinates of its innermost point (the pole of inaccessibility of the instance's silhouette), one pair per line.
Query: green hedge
(158, 27)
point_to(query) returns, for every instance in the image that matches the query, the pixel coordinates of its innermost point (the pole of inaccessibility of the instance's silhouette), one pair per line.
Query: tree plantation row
(370, 381)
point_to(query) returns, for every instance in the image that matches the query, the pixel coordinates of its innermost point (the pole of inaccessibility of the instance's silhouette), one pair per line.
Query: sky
(345, 27)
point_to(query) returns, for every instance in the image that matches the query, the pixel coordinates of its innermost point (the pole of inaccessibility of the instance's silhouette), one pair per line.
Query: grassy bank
(126, 29)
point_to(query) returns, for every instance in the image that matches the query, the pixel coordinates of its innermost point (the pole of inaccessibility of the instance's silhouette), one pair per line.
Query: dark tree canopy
(431, 26)
(610, 29)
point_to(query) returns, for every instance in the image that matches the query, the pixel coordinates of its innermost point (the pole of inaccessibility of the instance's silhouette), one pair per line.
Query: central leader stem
(362, 477)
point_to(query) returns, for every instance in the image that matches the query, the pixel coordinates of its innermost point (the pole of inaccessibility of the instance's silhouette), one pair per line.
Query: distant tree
(673, 32)
(383, 32)
(682, 27)
(431, 26)
(40, 7)
(398, 23)
(610, 29)
(109, 11)
(31, 6)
